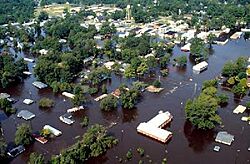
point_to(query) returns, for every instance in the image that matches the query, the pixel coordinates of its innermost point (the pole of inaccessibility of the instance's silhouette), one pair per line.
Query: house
(239, 109)
(69, 95)
(200, 67)
(186, 47)
(89, 59)
(75, 109)
(53, 130)
(26, 115)
(28, 101)
(236, 35)
(4, 95)
(153, 128)
(117, 93)
(109, 64)
(39, 85)
(66, 118)
(43, 51)
(225, 138)
(101, 97)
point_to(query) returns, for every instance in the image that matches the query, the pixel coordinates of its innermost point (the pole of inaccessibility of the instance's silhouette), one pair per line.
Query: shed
(225, 138)
(25, 114)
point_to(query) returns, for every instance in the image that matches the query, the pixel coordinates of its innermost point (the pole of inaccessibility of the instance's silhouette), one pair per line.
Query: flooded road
(188, 145)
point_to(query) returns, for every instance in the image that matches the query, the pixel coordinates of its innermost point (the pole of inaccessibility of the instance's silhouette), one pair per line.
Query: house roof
(224, 137)
(25, 114)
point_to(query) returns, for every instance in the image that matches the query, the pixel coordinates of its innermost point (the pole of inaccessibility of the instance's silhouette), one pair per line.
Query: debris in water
(217, 148)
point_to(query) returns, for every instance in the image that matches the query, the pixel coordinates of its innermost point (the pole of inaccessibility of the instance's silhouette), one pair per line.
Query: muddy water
(187, 145)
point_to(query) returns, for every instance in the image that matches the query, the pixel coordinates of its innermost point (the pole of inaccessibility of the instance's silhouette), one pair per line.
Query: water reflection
(129, 115)
(198, 139)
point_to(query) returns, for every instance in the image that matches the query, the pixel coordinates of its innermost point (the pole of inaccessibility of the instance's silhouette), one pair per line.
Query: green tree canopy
(23, 134)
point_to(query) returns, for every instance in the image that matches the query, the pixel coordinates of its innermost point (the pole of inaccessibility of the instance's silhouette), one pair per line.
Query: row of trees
(128, 98)
(95, 142)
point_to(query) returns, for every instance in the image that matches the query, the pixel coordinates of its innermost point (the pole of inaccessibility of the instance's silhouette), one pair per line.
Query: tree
(142, 68)
(211, 38)
(239, 90)
(222, 98)
(180, 61)
(151, 62)
(198, 48)
(231, 81)
(108, 103)
(129, 72)
(209, 83)
(36, 158)
(107, 29)
(201, 111)
(46, 103)
(129, 155)
(248, 105)
(23, 135)
(157, 83)
(212, 91)
(3, 147)
(43, 16)
(233, 68)
(164, 60)
(104, 89)
(95, 142)
(84, 121)
(129, 98)
(78, 100)
(118, 15)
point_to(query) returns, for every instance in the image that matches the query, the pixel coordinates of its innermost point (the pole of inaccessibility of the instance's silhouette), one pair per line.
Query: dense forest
(16, 10)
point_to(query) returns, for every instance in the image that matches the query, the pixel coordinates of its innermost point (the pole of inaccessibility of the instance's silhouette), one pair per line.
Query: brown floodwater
(188, 145)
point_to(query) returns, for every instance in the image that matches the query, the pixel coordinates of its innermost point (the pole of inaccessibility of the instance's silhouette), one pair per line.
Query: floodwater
(188, 145)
